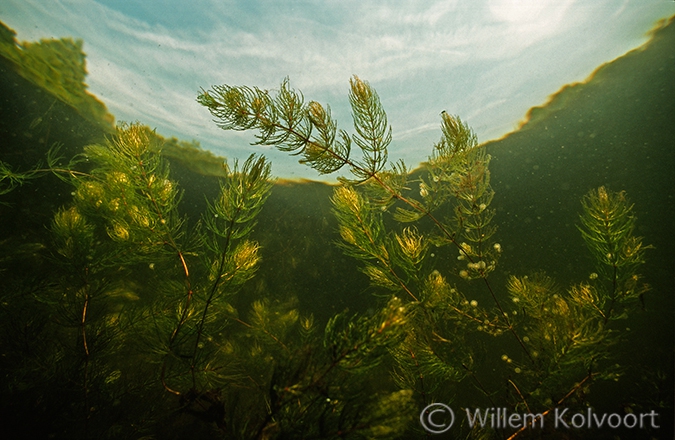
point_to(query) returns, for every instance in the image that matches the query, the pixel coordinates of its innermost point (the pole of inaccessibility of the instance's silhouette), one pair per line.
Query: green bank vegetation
(57, 66)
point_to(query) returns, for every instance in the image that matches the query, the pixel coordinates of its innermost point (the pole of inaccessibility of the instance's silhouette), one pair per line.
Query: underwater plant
(607, 225)
(147, 321)
(144, 303)
(562, 338)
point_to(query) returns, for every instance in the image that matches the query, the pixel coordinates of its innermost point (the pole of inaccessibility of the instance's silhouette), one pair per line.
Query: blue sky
(488, 61)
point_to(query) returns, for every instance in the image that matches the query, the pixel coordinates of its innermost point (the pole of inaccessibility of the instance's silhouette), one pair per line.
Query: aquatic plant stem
(83, 323)
(577, 387)
(420, 376)
(84, 273)
(522, 398)
(248, 190)
(608, 314)
(212, 292)
(274, 338)
(167, 238)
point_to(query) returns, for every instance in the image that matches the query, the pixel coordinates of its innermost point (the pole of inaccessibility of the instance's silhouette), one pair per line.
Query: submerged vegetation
(140, 311)
(561, 339)
(145, 322)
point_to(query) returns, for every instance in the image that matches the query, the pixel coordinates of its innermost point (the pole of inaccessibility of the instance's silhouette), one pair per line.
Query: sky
(487, 61)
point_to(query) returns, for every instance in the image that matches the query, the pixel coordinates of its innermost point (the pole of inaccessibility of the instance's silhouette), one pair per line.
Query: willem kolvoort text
(562, 419)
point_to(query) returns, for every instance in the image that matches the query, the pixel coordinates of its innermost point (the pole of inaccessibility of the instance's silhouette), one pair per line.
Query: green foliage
(326, 393)
(607, 224)
(146, 306)
(457, 169)
(354, 343)
(563, 337)
(286, 122)
(148, 322)
(9, 179)
(568, 332)
(8, 44)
